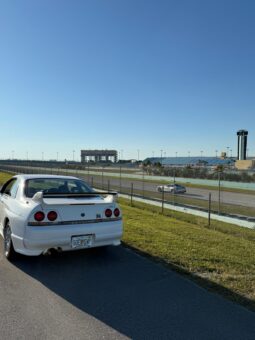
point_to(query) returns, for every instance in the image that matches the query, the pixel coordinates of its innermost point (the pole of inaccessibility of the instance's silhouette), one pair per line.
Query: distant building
(241, 144)
(98, 156)
(247, 164)
(223, 155)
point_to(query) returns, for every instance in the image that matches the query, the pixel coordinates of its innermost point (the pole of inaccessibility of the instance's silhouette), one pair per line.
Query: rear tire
(9, 252)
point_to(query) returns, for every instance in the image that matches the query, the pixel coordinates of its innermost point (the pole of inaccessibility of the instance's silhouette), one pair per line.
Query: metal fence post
(219, 192)
(102, 178)
(209, 209)
(131, 194)
(143, 183)
(163, 198)
(120, 179)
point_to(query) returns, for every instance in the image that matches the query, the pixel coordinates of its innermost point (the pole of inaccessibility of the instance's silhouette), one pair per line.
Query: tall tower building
(241, 144)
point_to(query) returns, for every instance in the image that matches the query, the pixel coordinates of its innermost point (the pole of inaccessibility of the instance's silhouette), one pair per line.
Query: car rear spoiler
(110, 196)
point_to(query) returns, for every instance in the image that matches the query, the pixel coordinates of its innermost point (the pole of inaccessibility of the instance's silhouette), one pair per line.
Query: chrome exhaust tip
(52, 251)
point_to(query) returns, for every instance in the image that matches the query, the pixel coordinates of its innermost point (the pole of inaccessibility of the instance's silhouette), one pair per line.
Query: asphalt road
(234, 198)
(111, 294)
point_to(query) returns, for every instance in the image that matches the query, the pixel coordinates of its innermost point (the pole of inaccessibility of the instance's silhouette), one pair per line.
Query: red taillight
(52, 216)
(116, 212)
(39, 216)
(108, 213)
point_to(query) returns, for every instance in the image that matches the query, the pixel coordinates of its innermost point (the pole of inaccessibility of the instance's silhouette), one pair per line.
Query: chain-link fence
(218, 199)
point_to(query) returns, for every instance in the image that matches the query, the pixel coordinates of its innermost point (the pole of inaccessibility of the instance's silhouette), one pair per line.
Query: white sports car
(39, 213)
(172, 188)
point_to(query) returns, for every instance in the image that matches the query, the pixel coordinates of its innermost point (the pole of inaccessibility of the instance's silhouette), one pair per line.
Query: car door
(8, 193)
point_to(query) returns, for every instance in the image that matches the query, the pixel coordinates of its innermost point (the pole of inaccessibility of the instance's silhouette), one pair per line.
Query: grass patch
(221, 255)
(4, 176)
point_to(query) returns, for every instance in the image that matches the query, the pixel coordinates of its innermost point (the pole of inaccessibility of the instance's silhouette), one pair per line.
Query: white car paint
(32, 238)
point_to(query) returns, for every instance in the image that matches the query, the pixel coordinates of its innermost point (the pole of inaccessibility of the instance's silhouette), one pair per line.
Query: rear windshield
(56, 186)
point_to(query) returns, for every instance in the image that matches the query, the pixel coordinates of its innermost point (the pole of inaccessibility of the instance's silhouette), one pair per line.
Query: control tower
(241, 144)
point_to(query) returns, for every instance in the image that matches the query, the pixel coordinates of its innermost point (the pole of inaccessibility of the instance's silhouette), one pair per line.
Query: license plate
(83, 241)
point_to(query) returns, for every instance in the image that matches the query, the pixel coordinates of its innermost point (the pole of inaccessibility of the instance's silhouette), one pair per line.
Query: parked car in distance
(39, 213)
(172, 188)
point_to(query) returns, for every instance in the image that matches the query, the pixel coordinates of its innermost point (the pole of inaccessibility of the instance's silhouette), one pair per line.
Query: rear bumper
(37, 240)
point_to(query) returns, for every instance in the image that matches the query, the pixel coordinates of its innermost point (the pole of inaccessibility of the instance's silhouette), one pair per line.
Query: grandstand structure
(98, 156)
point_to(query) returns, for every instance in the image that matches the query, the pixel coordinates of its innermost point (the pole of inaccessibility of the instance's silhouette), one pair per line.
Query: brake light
(52, 216)
(108, 213)
(39, 216)
(116, 212)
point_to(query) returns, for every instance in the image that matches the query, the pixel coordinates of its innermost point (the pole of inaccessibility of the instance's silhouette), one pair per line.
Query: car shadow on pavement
(137, 297)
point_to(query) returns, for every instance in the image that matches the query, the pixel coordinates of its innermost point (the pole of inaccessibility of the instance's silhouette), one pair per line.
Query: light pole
(201, 153)
(231, 153)
(161, 151)
(227, 151)
(216, 153)
(176, 154)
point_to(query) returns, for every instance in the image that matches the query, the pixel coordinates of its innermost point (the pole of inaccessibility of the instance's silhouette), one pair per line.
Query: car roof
(38, 176)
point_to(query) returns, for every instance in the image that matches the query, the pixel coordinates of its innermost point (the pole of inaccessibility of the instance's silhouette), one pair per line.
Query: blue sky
(126, 74)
